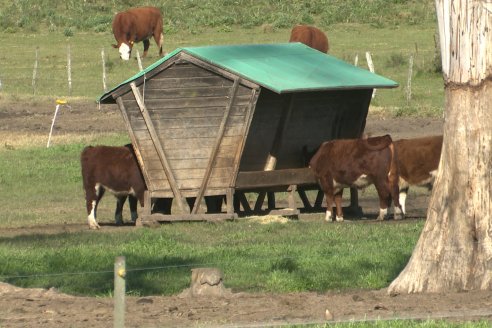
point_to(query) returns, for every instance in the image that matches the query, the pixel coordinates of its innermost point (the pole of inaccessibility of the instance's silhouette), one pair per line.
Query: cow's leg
(159, 40)
(92, 199)
(398, 209)
(384, 199)
(132, 201)
(146, 44)
(338, 204)
(118, 213)
(326, 184)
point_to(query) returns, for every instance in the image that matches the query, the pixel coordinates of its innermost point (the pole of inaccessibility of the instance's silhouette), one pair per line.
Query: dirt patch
(29, 123)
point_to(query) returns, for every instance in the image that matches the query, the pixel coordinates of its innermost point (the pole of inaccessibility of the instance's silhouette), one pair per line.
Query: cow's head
(125, 50)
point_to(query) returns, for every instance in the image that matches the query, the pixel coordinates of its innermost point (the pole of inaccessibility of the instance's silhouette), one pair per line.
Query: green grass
(290, 257)
(409, 324)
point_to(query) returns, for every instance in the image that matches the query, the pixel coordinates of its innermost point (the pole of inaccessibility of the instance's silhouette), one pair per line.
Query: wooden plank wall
(186, 104)
(316, 117)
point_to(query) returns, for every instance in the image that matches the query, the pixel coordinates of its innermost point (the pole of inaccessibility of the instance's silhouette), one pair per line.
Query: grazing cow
(310, 36)
(418, 161)
(114, 169)
(135, 25)
(357, 163)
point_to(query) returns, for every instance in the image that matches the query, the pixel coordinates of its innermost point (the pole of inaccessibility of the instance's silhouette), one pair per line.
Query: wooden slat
(215, 149)
(158, 146)
(149, 219)
(287, 177)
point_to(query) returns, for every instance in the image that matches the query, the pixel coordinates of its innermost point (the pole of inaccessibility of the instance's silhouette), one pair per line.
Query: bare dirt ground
(48, 308)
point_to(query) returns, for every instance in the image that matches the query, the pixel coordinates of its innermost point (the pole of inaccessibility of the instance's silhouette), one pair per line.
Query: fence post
(69, 70)
(371, 68)
(105, 88)
(140, 67)
(409, 79)
(356, 60)
(119, 292)
(35, 72)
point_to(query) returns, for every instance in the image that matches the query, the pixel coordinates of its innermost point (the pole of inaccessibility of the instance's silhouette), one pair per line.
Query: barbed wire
(129, 269)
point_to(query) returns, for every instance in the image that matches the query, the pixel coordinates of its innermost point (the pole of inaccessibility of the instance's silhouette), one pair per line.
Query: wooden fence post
(69, 70)
(105, 88)
(408, 89)
(119, 292)
(35, 72)
(139, 60)
(371, 68)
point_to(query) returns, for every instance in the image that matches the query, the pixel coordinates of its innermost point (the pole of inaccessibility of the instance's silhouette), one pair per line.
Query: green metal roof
(282, 68)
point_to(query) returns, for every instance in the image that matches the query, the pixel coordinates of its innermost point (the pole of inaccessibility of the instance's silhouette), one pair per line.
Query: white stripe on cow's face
(124, 51)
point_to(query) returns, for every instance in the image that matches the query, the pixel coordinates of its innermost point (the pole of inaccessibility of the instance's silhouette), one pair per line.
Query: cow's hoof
(380, 218)
(339, 218)
(398, 217)
(94, 227)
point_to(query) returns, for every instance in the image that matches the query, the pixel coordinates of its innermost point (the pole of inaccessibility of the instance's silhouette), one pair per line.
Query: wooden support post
(291, 196)
(279, 136)
(119, 292)
(216, 146)
(230, 201)
(158, 146)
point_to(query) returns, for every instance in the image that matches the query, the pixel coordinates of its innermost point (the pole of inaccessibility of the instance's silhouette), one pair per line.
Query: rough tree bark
(454, 251)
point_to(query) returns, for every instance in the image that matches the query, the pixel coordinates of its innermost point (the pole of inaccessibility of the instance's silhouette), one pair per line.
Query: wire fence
(65, 74)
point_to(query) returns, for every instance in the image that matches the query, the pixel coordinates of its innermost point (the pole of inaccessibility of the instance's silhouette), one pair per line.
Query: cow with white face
(357, 163)
(135, 25)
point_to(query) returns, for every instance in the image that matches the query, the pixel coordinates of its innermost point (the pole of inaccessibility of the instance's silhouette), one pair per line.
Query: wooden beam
(286, 177)
(216, 146)
(271, 162)
(158, 146)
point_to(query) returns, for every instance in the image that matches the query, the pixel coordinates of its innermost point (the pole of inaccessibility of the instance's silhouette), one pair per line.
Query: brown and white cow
(418, 161)
(116, 170)
(310, 36)
(135, 25)
(357, 163)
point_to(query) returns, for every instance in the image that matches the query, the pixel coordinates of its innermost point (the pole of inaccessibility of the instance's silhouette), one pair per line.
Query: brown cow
(310, 36)
(115, 169)
(418, 161)
(357, 163)
(135, 25)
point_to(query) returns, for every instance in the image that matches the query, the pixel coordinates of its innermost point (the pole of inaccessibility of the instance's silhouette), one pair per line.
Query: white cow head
(125, 50)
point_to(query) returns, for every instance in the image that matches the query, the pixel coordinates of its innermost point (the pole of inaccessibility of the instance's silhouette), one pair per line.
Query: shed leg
(292, 196)
(271, 200)
(230, 201)
(259, 201)
(354, 209)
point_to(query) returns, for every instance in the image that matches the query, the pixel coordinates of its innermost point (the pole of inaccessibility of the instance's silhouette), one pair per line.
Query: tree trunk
(454, 251)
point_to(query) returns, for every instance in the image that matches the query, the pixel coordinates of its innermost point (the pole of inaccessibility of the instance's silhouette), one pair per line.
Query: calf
(357, 163)
(114, 169)
(418, 161)
(310, 36)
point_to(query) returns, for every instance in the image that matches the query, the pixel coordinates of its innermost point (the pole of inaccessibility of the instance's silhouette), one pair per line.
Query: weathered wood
(158, 146)
(215, 148)
(188, 217)
(271, 161)
(287, 177)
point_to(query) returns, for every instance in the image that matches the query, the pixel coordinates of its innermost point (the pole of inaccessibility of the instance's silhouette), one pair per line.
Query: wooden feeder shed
(220, 121)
